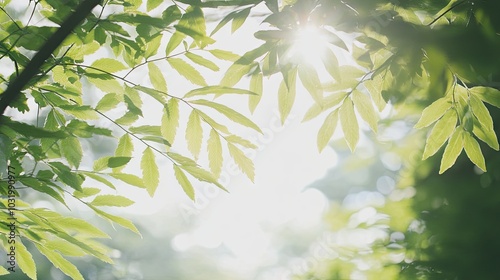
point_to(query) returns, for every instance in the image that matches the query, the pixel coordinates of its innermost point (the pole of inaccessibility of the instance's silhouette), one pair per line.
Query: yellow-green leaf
(256, 86)
(433, 112)
(452, 150)
(487, 94)
(187, 71)
(364, 106)
(481, 112)
(329, 101)
(25, 260)
(214, 148)
(486, 135)
(108, 65)
(130, 179)
(61, 263)
(473, 151)
(441, 131)
(228, 112)
(235, 139)
(174, 42)
(200, 60)
(184, 182)
(108, 102)
(150, 173)
(194, 134)
(119, 220)
(218, 90)
(202, 175)
(111, 200)
(124, 149)
(243, 162)
(310, 80)
(286, 98)
(156, 78)
(326, 131)
(72, 151)
(170, 120)
(151, 4)
(375, 87)
(349, 123)
(4, 271)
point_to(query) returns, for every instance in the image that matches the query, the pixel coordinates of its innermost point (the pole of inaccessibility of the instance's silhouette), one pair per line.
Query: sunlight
(309, 45)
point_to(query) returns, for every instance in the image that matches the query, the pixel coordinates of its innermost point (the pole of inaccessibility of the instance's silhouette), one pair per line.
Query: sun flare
(309, 45)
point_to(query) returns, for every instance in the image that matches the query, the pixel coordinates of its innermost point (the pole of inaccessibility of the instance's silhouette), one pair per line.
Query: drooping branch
(14, 89)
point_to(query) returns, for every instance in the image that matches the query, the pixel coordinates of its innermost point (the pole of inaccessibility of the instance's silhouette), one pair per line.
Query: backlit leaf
(184, 182)
(441, 131)
(433, 112)
(119, 220)
(108, 102)
(25, 260)
(286, 98)
(481, 112)
(218, 90)
(72, 151)
(130, 179)
(156, 78)
(214, 148)
(473, 151)
(111, 200)
(243, 162)
(487, 94)
(194, 134)
(108, 65)
(326, 131)
(364, 106)
(228, 112)
(61, 263)
(310, 80)
(202, 175)
(150, 173)
(256, 81)
(349, 124)
(187, 71)
(198, 59)
(452, 150)
(170, 120)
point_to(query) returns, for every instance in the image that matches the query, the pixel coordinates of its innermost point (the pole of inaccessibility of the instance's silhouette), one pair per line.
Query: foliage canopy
(405, 60)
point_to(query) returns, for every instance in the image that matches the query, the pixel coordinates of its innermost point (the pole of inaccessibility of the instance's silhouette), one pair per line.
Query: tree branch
(14, 89)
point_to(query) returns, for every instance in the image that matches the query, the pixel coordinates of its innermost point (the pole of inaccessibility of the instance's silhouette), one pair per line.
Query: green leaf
(106, 64)
(154, 130)
(129, 179)
(156, 78)
(108, 102)
(235, 73)
(214, 148)
(25, 260)
(72, 151)
(86, 192)
(198, 59)
(119, 220)
(332, 64)
(66, 176)
(326, 131)
(124, 149)
(61, 263)
(156, 94)
(202, 175)
(452, 150)
(80, 112)
(110, 162)
(153, 45)
(375, 87)
(473, 151)
(364, 106)
(170, 120)
(235, 139)
(206, 118)
(79, 226)
(217, 90)
(228, 112)
(194, 134)
(441, 131)
(243, 162)
(328, 102)
(99, 179)
(433, 112)
(481, 112)
(31, 131)
(184, 182)
(487, 135)
(152, 4)
(174, 42)
(286, 98)
(182, 160)
(224, 55)
(240, 18)
(487, 94)
(256, 81)
(111, 200)
(150, 173)
(310, 80)
(349, 123)
(187, 71)
(43, 187)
